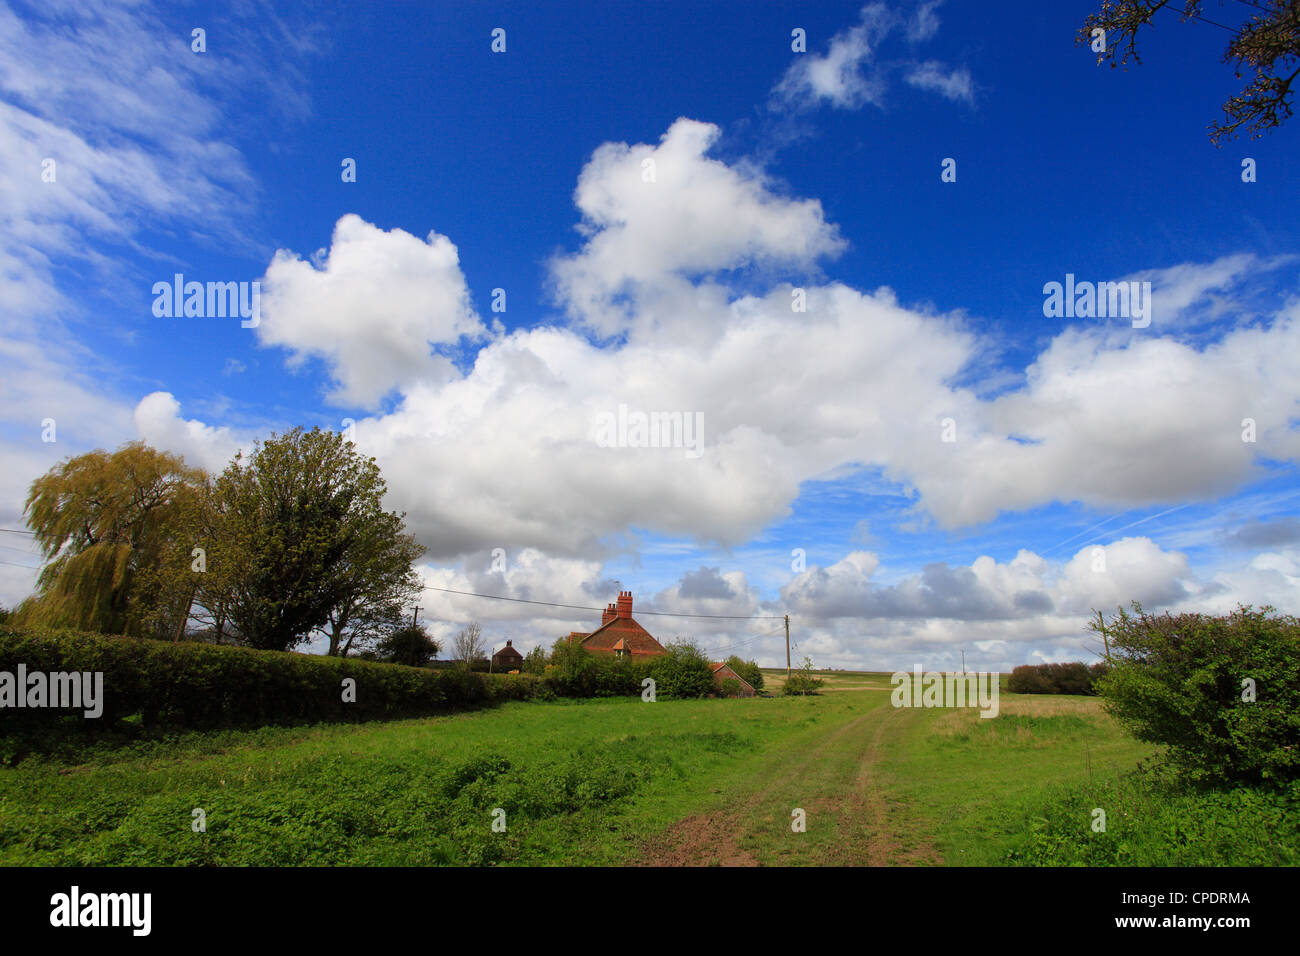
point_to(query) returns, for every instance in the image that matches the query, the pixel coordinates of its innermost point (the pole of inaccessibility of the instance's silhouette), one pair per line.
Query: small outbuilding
(722, 673)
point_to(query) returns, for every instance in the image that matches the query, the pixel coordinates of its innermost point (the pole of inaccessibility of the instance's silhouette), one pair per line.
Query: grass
(619, 781)
(579, 781)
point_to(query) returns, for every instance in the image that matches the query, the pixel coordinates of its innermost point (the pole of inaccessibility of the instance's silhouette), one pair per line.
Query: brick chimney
(609, 615)
(509, 643)
(625, 604)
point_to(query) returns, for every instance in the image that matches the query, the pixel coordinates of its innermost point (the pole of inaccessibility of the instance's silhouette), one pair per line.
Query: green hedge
(206, 686)
(1072, 678)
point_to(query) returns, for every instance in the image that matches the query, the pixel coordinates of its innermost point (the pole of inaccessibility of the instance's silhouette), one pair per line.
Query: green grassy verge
(619, 781)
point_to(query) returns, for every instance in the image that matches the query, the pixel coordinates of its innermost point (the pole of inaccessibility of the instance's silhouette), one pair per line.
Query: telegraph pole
(415, 614)
(787, 647)
(963, 662)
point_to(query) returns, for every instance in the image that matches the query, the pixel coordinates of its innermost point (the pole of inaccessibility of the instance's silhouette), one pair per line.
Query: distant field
(595, 782)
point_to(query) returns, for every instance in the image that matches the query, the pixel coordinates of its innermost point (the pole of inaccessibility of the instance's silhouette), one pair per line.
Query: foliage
(101, 519)
(1268, 43)
(575, 671)
(535, 661)
(1152, 821)
(410, 645)
(1072, 678)
(299, 533)
(375, 585)
(683, 670)
(802, 681)
(748, 670)
(193, 685)
(1186, 681)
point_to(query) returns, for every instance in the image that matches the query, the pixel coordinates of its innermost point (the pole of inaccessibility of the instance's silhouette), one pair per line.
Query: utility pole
(963, 662)
(787, 647)
(415, 615)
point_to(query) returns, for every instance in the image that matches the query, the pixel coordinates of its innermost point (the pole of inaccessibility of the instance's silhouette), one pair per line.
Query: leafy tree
(295, 536)
(468, 644)
(101, 520)
(374, 586)
(748, 670)
(535, 660)
(410, 645)
(1268, 43)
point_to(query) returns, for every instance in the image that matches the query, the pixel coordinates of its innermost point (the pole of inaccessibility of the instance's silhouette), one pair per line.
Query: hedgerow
(1072, 678)
(203, 686)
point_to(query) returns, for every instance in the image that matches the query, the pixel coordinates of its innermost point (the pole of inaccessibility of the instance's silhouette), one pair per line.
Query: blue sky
(774, 170)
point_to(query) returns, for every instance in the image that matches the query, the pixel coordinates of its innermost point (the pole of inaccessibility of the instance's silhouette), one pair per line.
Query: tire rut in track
(712, 838)
(865, 813)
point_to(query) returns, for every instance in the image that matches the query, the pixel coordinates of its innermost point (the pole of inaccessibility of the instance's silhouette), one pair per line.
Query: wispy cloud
(852, 73)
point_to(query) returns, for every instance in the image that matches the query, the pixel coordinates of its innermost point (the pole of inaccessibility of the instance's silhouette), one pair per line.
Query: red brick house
(619, 634)
(507, 659)
(722, 672)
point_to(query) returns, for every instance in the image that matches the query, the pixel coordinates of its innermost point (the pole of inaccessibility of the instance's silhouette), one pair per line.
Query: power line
(581, 607)
(1195, 16)
(16, 531)
(747, 642)
(27, 567)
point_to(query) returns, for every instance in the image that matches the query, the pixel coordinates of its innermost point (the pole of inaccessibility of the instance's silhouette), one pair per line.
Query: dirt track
(853, 797)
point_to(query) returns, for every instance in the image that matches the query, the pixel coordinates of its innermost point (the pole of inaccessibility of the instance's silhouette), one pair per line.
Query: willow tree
(103, 522)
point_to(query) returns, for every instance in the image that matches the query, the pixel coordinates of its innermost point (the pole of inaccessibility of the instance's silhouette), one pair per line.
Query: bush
(201, 686)
(802, 681)
(682, 671)
(575, 671)
(1072, 678)
(1185, 681)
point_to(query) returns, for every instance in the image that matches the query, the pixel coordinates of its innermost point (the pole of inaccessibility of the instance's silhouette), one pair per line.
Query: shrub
(802, 681)
(1186, 682)
(577, 672)
(682, 671)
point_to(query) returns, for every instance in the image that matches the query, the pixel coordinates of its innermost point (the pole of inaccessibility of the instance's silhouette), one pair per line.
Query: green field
(624, 782)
